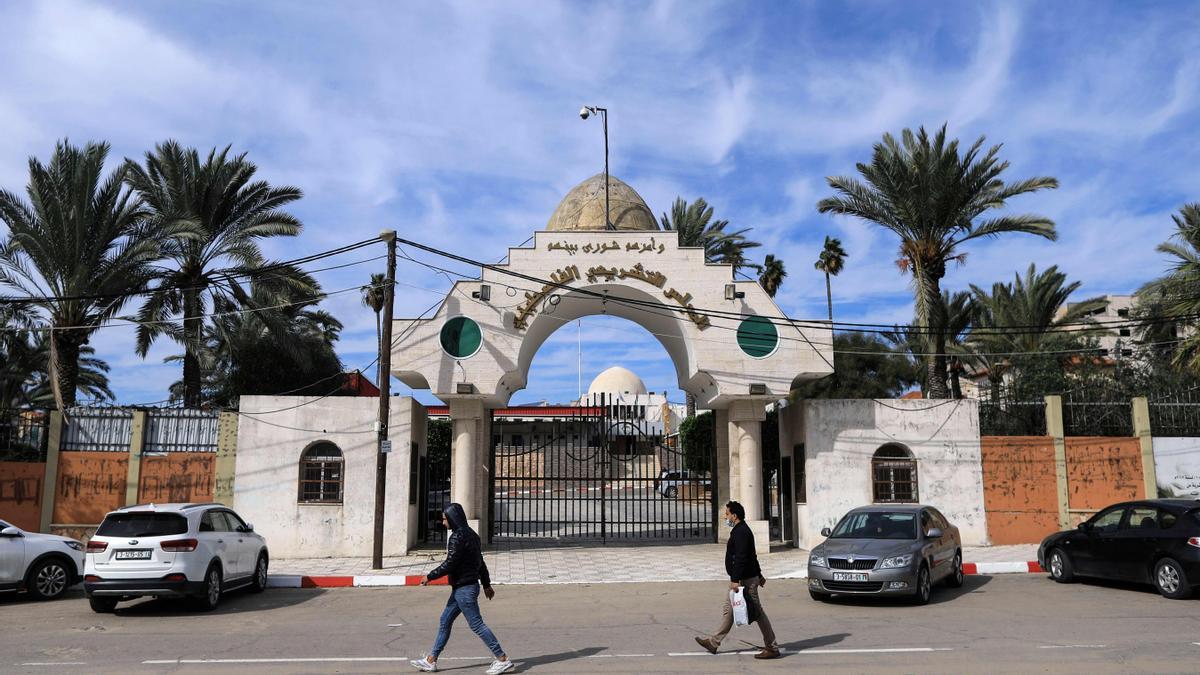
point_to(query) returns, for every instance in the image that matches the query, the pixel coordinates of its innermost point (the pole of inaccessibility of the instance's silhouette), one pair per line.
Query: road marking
(619, 656)
(883, 650)
(1071, 646)
(55, 663)
(394, 625)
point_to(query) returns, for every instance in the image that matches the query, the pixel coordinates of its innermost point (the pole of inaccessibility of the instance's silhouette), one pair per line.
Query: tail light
(97, 546)
(1194, 541)
(179, 545)
(175, 577)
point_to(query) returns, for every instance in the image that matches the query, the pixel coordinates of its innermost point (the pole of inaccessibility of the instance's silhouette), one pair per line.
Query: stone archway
(475, 352)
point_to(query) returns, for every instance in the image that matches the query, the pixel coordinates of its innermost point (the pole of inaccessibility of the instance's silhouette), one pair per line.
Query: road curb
(385, 580)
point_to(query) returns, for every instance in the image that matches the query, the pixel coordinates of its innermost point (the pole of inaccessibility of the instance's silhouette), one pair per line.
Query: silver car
(887, 550)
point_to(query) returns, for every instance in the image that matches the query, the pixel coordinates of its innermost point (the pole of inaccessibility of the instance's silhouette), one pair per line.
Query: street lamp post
(585, 112)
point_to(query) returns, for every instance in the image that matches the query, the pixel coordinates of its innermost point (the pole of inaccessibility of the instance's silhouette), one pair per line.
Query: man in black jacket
(465, 566)
(741, 563)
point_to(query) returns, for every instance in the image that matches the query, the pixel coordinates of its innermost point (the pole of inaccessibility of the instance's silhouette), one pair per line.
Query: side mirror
(249, 527)
(1084, 526)
(10, 532)
(826, 532)
(934, 533)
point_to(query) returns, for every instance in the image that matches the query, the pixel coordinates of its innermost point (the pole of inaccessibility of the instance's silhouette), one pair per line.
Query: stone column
(466, 416)
(725, 477)
(745, 433)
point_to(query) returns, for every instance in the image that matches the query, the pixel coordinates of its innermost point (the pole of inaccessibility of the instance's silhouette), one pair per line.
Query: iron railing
(1176, 413)
(23, 435)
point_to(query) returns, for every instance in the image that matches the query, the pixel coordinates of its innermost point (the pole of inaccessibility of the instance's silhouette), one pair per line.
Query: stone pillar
(1055, 429)
(725, 479)
(137, 442)
(54, 436)
(225, 466)
(466, 416)
(745, 434)
(1141, 429)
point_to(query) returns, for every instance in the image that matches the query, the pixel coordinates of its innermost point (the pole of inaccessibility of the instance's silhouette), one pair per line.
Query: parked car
(196, 551)
(887, 550)
(1155, 541)
(45, 565)
(668, 483)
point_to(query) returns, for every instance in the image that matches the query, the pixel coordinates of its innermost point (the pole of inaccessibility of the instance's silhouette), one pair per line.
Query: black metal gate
(609, 469)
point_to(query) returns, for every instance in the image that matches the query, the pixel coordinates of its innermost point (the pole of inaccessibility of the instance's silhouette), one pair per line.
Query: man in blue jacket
(465, 566)
(741, 563)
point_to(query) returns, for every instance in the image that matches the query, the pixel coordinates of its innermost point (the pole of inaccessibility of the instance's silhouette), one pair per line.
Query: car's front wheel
(260, 576)
(672, 492)
(924, 587)
(211, 597)
(1061, 569)
(1170, 580)
(48, 579)
(102, 605)
(955, 580)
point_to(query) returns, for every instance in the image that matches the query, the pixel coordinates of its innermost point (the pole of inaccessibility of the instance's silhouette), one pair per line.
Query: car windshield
(142, 525)
(877, 525)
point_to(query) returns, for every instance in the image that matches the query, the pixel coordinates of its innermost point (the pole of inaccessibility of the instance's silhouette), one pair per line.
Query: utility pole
(385, 380)
(586, 112)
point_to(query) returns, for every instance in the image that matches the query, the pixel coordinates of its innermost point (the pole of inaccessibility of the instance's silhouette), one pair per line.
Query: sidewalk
(598, 564)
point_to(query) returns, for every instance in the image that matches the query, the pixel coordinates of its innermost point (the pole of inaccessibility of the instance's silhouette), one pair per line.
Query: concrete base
(762, 535)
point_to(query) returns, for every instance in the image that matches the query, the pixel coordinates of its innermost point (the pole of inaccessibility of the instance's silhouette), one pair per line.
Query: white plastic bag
(741, 613)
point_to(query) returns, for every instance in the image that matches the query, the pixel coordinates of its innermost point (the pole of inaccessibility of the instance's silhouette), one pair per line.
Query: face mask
(728, 522)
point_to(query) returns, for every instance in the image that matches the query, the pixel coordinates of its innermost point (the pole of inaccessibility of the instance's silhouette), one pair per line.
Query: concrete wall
(272, 434)
(841, 436)
(1020, 488)
(1177, 467)
(177, 477)
(90, 484)
(21, 493)
(1102, 471)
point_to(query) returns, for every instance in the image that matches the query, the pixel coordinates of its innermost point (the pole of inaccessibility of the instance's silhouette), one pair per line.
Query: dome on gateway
(583, 207)
(617, 380)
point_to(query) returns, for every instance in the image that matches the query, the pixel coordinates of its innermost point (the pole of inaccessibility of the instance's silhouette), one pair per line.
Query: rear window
(142, 525)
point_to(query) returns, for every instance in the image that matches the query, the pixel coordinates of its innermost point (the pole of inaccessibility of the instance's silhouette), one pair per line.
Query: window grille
(894, 475)
(321, 472)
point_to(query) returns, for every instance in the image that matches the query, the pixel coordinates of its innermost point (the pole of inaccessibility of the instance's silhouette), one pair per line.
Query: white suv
(193, 551)
(43, 564)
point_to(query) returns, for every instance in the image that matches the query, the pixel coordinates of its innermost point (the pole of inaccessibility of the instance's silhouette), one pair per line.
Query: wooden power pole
(385, 379)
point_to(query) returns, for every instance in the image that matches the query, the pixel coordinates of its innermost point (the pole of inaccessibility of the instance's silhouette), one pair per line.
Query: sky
(457, 125)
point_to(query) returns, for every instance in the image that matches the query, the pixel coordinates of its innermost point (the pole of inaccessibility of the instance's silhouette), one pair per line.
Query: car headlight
(74, 544)
(816, 560)
(897, 561)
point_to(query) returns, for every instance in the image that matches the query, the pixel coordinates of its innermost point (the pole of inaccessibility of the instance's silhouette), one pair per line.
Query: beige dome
(617, 380)
(583, 207)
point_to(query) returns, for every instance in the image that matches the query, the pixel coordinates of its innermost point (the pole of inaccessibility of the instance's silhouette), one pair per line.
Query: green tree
(81, 245)
(917, 341)
(373, 296)
(772, 275)
(1177, 293)
(438, 435)
(864, 366)
(225, 213)
(831, 261)
(698, 435)
(694, 226)
(935, 199)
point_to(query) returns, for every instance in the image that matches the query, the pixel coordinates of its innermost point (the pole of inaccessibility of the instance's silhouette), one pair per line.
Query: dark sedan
(1156, 541)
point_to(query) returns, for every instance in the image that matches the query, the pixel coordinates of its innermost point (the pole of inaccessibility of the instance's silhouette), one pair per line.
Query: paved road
(1017, 624)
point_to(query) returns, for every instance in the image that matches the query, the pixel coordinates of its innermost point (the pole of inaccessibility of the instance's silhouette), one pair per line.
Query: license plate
(134, 554)
(847, 576)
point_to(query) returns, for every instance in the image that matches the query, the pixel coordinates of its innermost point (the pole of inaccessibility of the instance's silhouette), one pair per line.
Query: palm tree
(225, 215)
(373, 296)
(914, 340)
(695, 228)
(932, 197)
(831, 261)
(81, 245)
(772, 275)
(1178, 291)
(1027, 320)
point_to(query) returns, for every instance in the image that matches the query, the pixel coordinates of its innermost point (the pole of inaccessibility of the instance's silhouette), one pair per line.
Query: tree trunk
(64, 355)
(192, 327)
(955, 384)
(829, 297)
(930, 305)
(691, 405)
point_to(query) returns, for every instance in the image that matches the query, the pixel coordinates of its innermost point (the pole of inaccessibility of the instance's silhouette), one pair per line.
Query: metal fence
(181, 430)
(98, 429)
(1176, 413)
(23, 435)
(1002, 412)
(1095, 412)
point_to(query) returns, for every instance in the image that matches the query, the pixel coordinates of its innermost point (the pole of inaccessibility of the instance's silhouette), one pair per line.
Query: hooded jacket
(464, 554)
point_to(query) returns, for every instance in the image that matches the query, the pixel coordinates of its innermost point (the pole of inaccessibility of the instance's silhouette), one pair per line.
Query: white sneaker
(425, 664)
(501, 667)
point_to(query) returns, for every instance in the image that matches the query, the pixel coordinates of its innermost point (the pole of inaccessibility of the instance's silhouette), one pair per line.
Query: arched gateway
(475, 352)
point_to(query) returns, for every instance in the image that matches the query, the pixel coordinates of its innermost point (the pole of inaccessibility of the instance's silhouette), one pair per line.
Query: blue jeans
(465, 600)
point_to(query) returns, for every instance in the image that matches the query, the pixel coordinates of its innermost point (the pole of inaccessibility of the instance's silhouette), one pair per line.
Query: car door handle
(220, 541)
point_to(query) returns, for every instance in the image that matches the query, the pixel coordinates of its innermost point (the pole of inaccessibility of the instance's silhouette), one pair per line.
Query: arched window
(321, 474)
(894, 475)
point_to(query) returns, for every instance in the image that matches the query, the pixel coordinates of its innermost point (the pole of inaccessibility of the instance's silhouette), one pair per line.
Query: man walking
(465, 566)
(741, 563)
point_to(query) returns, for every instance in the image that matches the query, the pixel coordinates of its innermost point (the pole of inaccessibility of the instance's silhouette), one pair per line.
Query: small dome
(583, 207)
(617, 380)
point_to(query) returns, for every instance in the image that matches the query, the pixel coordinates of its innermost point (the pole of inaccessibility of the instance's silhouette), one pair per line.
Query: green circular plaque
(757, 337)
(461, 337)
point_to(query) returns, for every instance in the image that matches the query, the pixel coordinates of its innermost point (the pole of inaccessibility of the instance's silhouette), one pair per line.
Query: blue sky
(456, 124)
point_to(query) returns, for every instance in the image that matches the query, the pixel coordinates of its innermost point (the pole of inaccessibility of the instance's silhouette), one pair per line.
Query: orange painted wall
(177, 477)
(90, 484)
(1102, 471)
(21, 493)
(1019, 488)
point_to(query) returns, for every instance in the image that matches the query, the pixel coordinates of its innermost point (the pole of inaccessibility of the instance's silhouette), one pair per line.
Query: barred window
(321, 474)
(894, 475)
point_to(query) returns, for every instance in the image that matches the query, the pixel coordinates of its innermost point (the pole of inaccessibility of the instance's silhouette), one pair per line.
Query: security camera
(584, 113)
